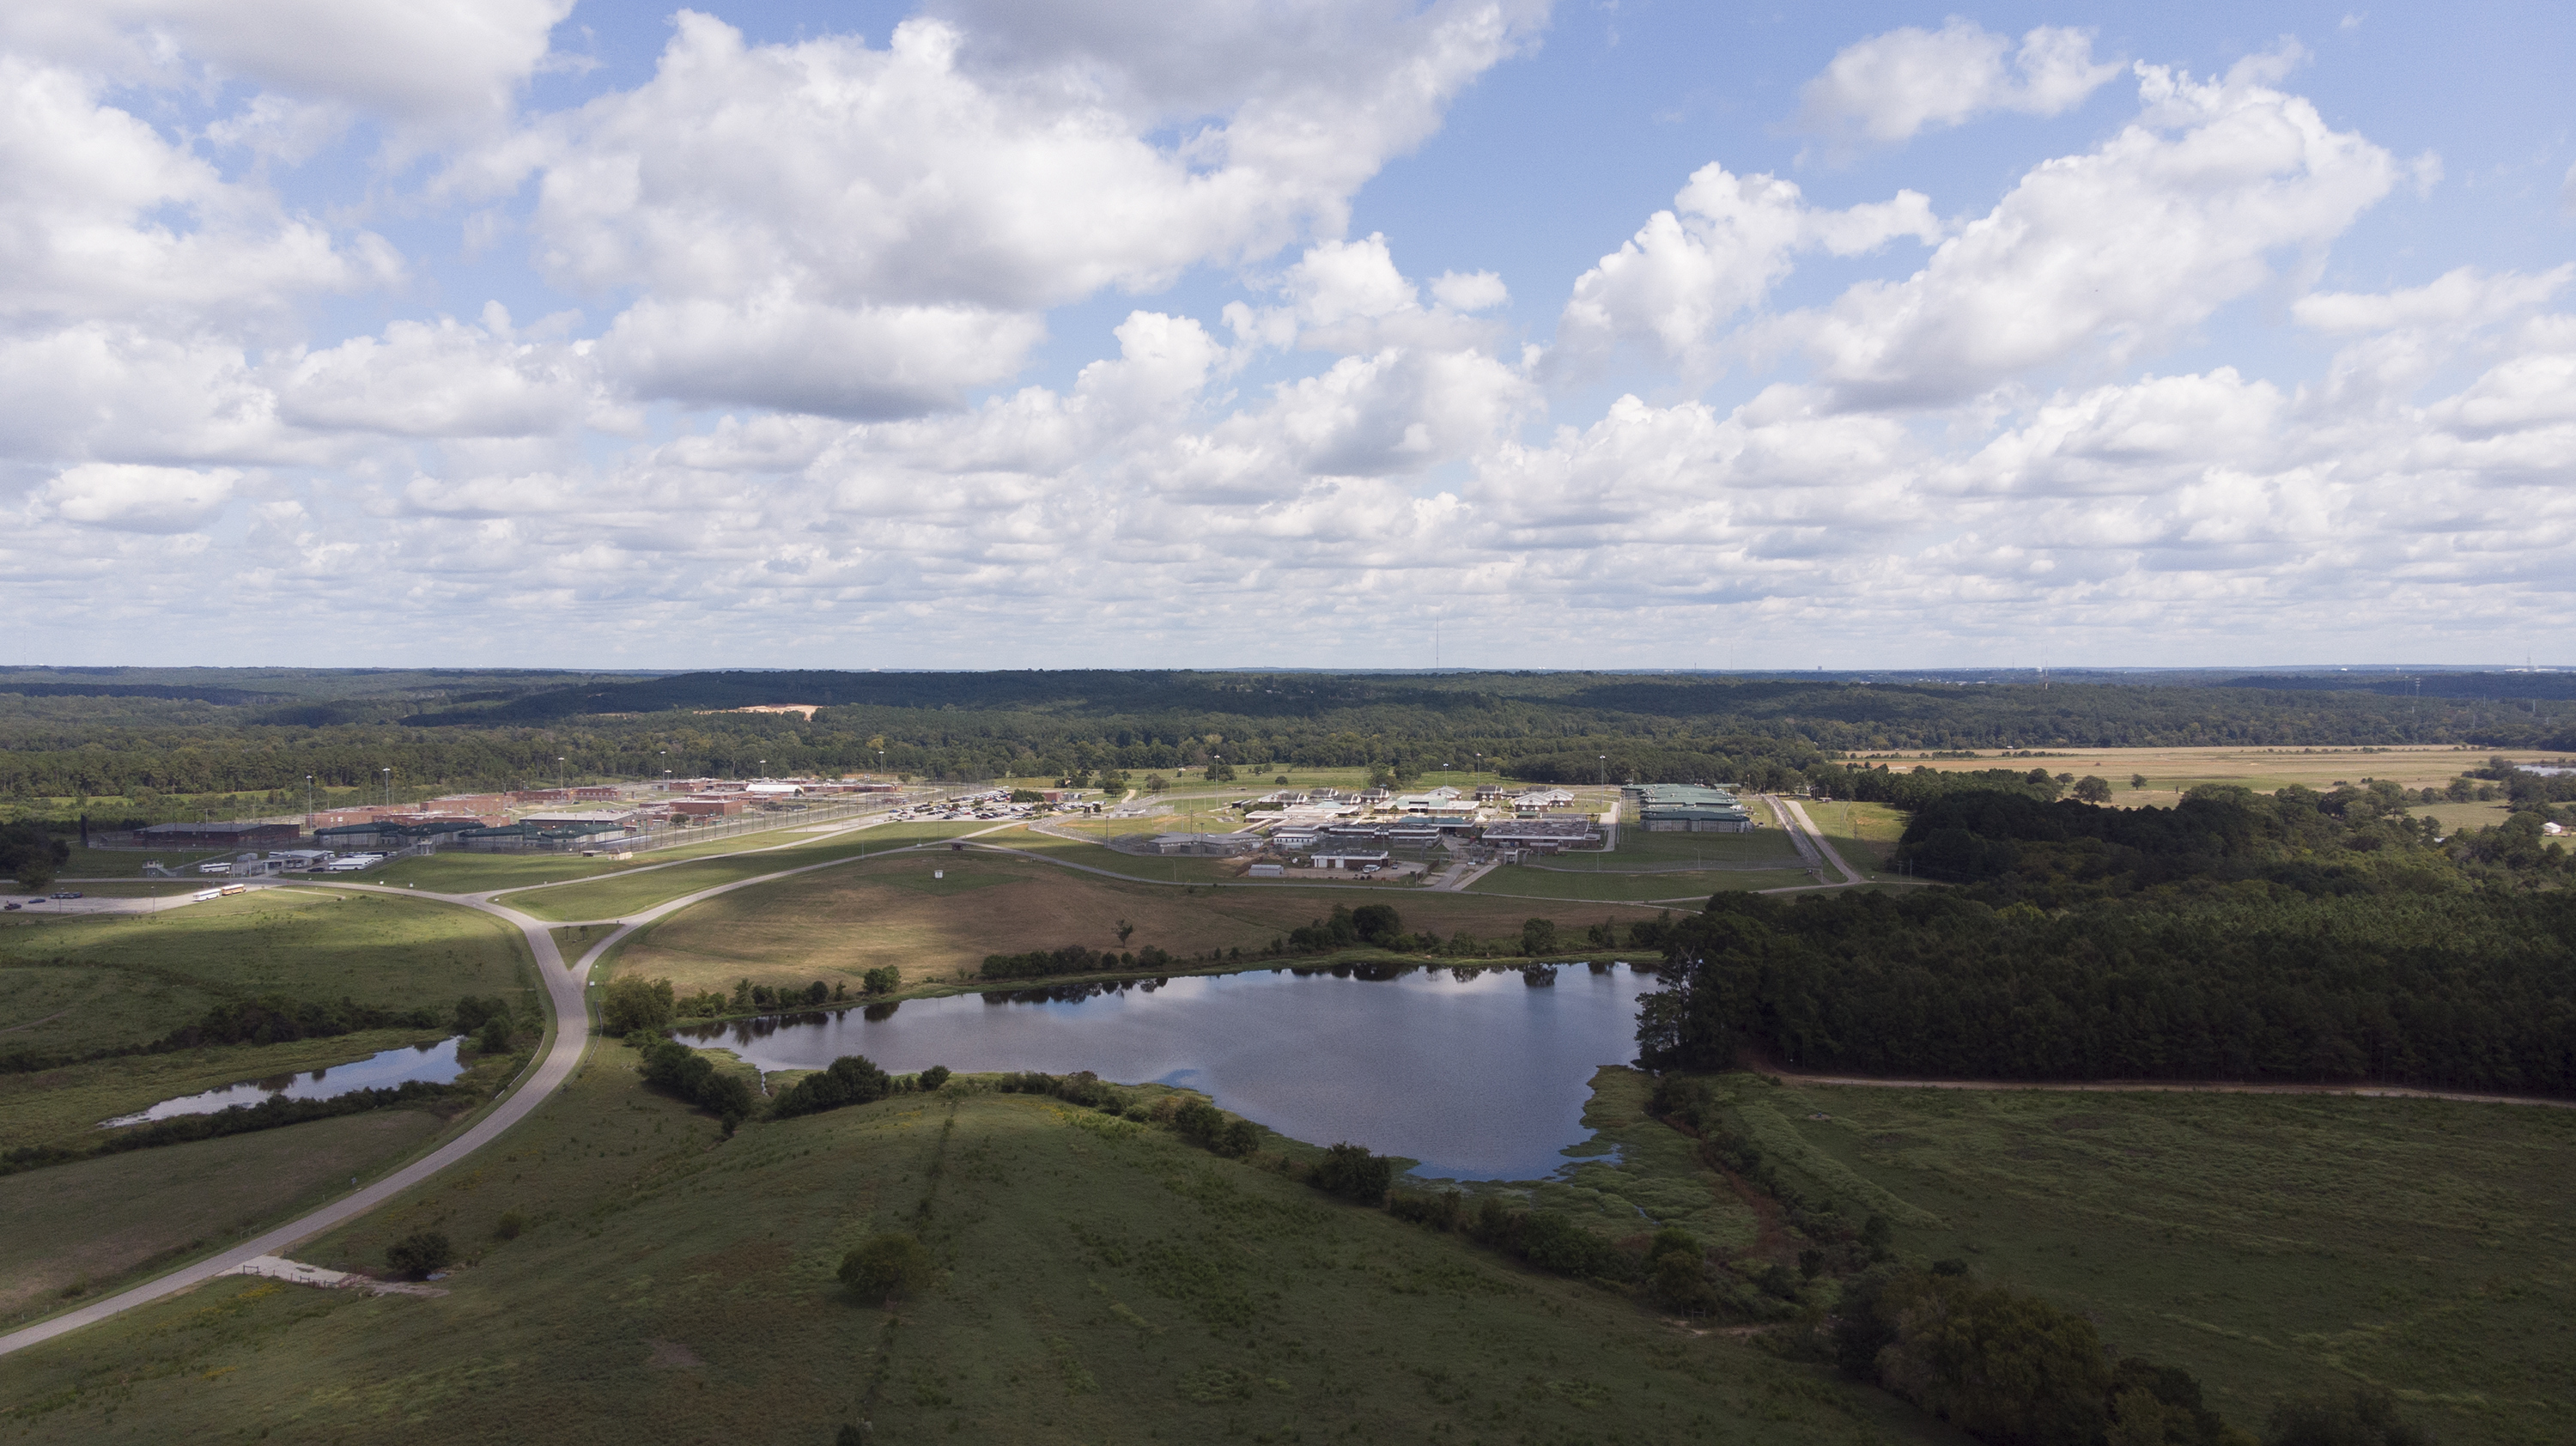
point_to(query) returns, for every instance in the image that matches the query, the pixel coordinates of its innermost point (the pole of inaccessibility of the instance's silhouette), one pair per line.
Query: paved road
(1798, 811)
(572, 1035)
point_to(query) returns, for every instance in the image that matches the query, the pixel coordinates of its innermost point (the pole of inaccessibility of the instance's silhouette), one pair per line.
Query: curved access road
(571, 1037)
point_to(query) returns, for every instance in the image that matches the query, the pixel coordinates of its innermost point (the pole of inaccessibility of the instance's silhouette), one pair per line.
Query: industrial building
(1687, 808)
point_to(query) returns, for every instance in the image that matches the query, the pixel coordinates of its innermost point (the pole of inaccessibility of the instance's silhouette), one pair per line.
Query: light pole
(308, 800)
(389, 786)
(559, 773)
(764, 769)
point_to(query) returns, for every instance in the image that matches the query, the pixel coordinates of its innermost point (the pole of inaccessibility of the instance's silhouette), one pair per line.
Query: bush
(935, 1076)
(419, 1255)
(472, 1013)
(853, 1079)
(674, 1067)
(888, 1267)
(881, 981)
(1351, 1171)
(510, 1226)
(632, 1002)
(494, 1037)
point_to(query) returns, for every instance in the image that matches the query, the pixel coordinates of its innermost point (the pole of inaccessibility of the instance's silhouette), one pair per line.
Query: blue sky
(1006, 335)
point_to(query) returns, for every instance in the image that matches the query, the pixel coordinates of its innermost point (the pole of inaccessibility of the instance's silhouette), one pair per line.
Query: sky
(1353, 333)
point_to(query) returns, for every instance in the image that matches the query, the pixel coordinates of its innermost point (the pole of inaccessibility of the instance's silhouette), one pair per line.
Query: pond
(431, 1063)
(1477, 1074)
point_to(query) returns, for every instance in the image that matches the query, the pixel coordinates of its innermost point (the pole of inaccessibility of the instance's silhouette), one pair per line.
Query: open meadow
(934, 916)
(629, 1275)
(2267, 1243)
(80, 983)
(634, 888)
(81, 1230)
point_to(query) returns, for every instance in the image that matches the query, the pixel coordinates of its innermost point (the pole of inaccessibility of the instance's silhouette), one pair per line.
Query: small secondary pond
(1477, 1074)
(431, 1063)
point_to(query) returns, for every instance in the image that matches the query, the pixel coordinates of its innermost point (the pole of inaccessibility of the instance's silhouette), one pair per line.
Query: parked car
(68, 894)
(12, 904)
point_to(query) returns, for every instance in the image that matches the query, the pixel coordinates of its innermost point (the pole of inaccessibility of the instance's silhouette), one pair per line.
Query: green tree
(1220, 772)
(419, 1255)
(889, 1267)
(1538, 936)
(31, 856)
(1124, 930)
(2092, 789)
(884, 979)
(933, 1077)
(1351, 1171)
(1377, 923)
(1156, 783)
(632, 1002)
(2137, 780)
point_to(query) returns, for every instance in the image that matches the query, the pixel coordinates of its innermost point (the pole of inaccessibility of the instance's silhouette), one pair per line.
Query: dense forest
(160, 742)
(2292, 937)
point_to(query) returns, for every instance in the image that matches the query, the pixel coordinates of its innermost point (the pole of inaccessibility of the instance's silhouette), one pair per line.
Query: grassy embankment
(835, 924)
(2269, 1244)
(75, 985)
(1102, 1281)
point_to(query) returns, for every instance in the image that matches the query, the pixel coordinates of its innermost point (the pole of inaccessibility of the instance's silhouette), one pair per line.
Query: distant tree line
(1766, 733)
(2297, 937)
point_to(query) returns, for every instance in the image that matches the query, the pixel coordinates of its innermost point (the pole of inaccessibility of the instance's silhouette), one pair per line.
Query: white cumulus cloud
(1890, 87)
(125, 497)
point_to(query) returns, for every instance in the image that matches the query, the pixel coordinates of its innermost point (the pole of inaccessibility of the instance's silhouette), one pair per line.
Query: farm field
(92, 1224)
(2171, 771)
(892, 912)
(1101, 1280)
(2267, 1243)
(74, 984)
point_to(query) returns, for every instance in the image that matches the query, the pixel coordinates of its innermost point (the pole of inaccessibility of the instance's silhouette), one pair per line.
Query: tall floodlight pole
(559, 773)
(389, 786)
(308, 800)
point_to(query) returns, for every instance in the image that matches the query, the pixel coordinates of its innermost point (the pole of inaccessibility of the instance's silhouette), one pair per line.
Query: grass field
(838, 923)
(613, 897)
(2171, 771)
(1532, 883)
(1766, 847)
(1863, 833)
(2268, 1243)
(93, 1224)
(128, 863)
(1102, 1282)
(69, 985)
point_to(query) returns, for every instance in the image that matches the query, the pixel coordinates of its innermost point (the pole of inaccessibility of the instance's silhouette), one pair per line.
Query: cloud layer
(783, 413)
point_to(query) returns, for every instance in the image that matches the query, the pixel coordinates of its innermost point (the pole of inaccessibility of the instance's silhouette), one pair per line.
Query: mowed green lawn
(639, 889)
(2268, 1243)
(1523, 882)
(76, 984)
(1102, 1281)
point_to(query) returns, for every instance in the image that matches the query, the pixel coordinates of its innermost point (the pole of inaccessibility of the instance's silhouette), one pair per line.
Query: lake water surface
(1478, 1077)
(433, 1063)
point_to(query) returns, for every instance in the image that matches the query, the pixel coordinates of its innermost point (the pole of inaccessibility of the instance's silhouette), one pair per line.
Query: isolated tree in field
(419, 1255)
(2137, 780)
(883, 980)
(1156, 783)
(889, 1267)
(2092, 789)
(1124, 929)
(632, 1002)
(31, 856)
(1220, 773)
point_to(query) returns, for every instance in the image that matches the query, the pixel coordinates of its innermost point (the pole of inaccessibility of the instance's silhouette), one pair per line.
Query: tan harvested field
(837, 923)
(2170, 771)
